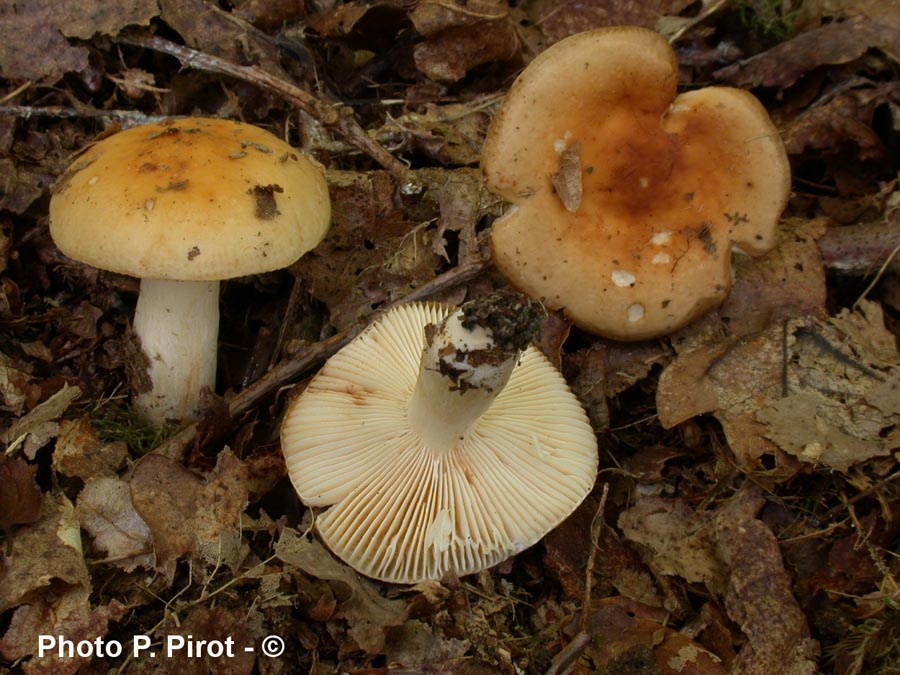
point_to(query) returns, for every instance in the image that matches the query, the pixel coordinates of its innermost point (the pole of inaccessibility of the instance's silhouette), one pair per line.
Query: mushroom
(439, 443)
(183, 204)
(628, 199)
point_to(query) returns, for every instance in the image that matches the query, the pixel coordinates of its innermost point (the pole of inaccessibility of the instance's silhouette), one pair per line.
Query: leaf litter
(750, 459)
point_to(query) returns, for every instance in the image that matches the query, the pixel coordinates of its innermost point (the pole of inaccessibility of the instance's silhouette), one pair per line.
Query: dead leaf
(187, 515)
(841, 401)
(830, 124)
(731, 362)
(80, 453)
(758, 597)
(448, 56)
(20, 498)
(217, 523)
(373, 253)
(624, 630)
(208, 623)
(34, 48)
(567, 179)
(211, 30)
(39, 425)
(682, 541)
(17, 391)
(450, 134)
(832, 44)
(44, 552)
(416, 643)
(105, 511)
(62, 612)
(367, 612)
(558, 20)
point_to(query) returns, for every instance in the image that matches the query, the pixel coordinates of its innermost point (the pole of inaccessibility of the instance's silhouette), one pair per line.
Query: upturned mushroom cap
(400, 511)
(628, 199)
(190, 199)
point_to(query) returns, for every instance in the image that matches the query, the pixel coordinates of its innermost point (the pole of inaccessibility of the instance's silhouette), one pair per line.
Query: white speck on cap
(635, 312)
(661, 238)
(623, 278)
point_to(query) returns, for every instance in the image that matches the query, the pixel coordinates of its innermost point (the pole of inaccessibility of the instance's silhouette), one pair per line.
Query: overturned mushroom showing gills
(183, 204)
(628, 199)
(438, 443)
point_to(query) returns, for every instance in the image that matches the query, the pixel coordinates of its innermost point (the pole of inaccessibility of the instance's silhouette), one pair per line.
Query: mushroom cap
(398, 511)
(628, 199)
(190, 199)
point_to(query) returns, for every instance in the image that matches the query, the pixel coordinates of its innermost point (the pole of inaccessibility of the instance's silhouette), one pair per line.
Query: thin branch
(27, 111)
(332, 115)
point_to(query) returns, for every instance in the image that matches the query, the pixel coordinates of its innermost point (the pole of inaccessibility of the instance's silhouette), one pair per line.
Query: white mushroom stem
(461, 373)
(178, 325)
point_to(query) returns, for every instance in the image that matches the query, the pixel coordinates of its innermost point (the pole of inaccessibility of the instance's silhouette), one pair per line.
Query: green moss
(872, 646)
(121, 423)
(770, 19)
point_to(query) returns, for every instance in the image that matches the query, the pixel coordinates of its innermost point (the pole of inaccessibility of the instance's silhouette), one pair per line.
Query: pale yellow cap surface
(190, 199)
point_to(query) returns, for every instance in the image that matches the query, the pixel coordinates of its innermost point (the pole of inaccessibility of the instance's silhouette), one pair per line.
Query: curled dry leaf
(105, 511)
(449, 55)
(39, 425)
(758, 597)
(17, 391)
(847, 117)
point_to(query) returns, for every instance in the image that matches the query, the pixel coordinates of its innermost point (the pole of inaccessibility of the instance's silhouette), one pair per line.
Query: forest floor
(743, 517)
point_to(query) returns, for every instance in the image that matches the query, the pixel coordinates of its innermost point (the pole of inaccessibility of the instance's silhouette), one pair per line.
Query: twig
(569, 654)
(572, 651)
(15, 92)
(330, 114)
(877, 276)
(596, 525)
(26, 111)
(317, 353)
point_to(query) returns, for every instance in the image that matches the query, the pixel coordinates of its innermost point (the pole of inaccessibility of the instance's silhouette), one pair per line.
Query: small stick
(569, 654)
(329, 114)
(26, 111)
(316, 353)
